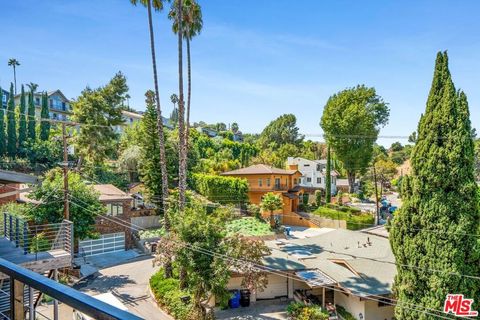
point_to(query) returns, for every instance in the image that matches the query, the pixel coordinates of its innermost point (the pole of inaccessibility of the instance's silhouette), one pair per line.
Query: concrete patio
(260, 310)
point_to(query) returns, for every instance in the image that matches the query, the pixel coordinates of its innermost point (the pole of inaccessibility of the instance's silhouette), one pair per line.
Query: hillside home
(58, 104)
(326, 269)
(4, 98)
(313, 173)
(132, 117)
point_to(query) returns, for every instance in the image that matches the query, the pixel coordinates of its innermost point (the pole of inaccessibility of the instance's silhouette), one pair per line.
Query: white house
(131, 117)
(313, 173)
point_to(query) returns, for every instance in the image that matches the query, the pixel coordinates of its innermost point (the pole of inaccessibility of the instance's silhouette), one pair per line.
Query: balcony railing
(37, 238)
(24, 283)
(277, 187)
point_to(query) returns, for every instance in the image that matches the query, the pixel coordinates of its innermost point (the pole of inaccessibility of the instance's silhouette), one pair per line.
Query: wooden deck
(40, 262)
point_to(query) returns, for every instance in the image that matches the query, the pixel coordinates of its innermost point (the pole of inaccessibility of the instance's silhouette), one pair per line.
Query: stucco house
(313, 173)
(58, 104)
(351, 269)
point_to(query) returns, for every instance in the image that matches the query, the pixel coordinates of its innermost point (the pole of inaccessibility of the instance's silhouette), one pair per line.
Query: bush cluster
(300, 311)
(354, 217)
(224, 190)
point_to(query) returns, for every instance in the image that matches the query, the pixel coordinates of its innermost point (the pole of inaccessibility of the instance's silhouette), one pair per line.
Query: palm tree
(127, 97)
(174, 114)
(158, 5)
(32, 86)
(192, 26)
(14, 63)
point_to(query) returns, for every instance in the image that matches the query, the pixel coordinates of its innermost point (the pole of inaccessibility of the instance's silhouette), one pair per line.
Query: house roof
(17, 177)
(341, 255)
(108, 192)
(259, 169)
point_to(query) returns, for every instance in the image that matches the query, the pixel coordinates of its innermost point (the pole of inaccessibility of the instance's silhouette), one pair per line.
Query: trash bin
(287, 230)
(245, 298)
(234, 301)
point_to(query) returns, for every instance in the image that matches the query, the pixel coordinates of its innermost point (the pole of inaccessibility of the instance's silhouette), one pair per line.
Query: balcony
(278, 187)
(37, 247)
(18, 302)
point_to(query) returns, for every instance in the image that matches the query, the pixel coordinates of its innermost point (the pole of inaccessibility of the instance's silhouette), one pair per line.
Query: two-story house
(314, 173)
(263, 179)
(132, 117)
(58, 104)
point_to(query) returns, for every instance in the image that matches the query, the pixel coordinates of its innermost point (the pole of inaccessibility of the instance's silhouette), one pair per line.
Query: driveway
(260, 310)
(129, 283)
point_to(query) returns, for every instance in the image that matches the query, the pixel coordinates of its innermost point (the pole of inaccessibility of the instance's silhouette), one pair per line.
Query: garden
(355, 218)
(249, 226)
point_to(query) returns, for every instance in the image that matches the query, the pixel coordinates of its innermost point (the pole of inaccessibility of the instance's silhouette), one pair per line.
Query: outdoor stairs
(312, 218)
(5, 296)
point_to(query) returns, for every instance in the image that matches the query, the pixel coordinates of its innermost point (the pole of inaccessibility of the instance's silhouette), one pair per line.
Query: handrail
(71, 297)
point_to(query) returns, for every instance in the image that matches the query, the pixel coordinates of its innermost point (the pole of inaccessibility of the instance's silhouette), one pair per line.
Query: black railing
(22, 280)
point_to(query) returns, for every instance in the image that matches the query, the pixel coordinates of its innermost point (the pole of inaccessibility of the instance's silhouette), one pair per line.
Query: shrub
(318, 197)
(224, 190)
(39, 243)
(355, 218)
(300, 311)
(168, 294)
(344, 313)
(249, 226)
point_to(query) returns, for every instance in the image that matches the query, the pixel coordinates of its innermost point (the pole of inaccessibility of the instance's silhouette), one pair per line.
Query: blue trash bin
(287, 230)
(234, 301)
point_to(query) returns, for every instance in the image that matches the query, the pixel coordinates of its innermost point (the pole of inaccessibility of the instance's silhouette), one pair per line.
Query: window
(64, 106)
(277, 182)
(309, 179)
(114, 209)
(51, 103)
(37, 101)
(268, 182)
(306, 165)
(384, 302)
(319, 180)
(260, 182)
(295, 181)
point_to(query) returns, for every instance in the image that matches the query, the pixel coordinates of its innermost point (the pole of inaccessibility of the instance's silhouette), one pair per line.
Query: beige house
(327, 268)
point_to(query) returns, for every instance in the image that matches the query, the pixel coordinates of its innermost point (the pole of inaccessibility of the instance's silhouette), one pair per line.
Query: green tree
(31, 111)
(271, 202)
(99, 110)
(234, 127)
(129, 161)
(328, 178)
(3, 146)
(436, 226)
(84, 208)
(11, 125)
(14, 64)
(280, 131)
(22, 121)
(45, 114)
(351, 121)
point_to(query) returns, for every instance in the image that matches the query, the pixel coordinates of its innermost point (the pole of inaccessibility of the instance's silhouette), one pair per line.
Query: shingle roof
(259, 169)
(108, 192)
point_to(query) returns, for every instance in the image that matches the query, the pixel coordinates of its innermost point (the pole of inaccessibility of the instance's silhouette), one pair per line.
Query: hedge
(355, 219)
(168, 294)
(224, 190)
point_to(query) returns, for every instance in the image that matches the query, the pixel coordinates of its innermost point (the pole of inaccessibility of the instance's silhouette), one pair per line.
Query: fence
(146, 222)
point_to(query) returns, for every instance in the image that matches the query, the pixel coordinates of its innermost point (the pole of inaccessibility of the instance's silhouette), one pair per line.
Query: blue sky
(255, 59)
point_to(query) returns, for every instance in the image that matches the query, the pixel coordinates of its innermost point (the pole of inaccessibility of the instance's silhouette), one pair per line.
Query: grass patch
(152, 233)
(355, 219)
(249, 226)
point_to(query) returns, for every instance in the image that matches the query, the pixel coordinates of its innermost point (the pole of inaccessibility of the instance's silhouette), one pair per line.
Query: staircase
(5, 297)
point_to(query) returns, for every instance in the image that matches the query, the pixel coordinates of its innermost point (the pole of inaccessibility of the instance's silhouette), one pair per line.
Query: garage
(106, 243)
(277, 287)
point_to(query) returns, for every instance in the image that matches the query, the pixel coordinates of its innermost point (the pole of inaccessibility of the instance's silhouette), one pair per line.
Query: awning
(315, 278)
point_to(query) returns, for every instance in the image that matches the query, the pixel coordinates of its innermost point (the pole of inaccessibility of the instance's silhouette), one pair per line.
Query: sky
(254, 59)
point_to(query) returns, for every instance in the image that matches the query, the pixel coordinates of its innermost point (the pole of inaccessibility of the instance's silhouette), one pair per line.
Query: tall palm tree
(192, 26)
(14, 64)
(32, 86)
(158, 6)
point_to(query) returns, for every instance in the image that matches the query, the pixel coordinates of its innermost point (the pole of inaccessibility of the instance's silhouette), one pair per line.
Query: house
(351, 269)
(59, 105)
(208, 131)
(263, 179)
(132, 117)
(5, 95)
(12, 185)
(313, 173)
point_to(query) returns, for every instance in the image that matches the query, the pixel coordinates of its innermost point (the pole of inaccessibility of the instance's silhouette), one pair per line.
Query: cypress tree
(2, 126)
(328, 178)
(435, 228)
(44, 114)
(22, 123)
(11, 125)
(31, 117)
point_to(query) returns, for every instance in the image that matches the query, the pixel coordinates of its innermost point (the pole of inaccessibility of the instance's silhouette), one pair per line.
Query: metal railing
(37, 238)
(24, 282)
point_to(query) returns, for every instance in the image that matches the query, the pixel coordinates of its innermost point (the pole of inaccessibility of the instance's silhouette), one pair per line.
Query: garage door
(277, 287)
(107, 243)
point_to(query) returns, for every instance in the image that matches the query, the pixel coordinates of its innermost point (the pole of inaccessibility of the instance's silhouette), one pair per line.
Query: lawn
(249, 226)
(355, 218)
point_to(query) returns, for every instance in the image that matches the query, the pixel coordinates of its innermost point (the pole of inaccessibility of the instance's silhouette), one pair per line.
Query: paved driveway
(129, 283)
(260, 310)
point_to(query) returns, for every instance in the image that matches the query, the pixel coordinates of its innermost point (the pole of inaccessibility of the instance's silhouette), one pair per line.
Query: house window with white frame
(319, 180)
(309, 179)
(114, 209)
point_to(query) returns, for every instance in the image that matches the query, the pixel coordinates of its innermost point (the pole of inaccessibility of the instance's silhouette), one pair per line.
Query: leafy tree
(412, 138)
(228, 190)
(45, 114)
(129, 161)
(99, 110)
(436, 225)
(48, 153)
(351, 121)
(271, 202)
(31, 115)
(234, 127)
(3, 146)
(11, 125)
(280, 131)
(386, 169)
(22, 123)
(396, 146)
(84, 207)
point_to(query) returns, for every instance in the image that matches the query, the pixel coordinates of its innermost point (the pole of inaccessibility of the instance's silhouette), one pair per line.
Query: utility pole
(66, 208)
(376, 194)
